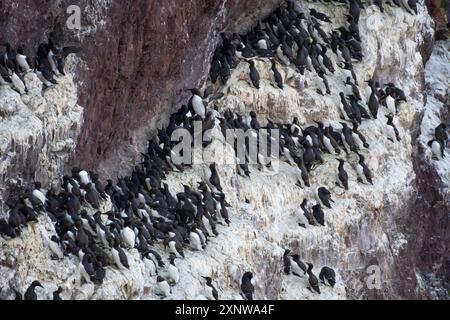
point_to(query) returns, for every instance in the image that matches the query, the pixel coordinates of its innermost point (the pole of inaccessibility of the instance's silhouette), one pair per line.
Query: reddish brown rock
(440, 11)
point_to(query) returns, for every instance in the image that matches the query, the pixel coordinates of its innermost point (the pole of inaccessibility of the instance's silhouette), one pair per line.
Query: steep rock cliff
(38, 134)
(139, 58)
(367, 226)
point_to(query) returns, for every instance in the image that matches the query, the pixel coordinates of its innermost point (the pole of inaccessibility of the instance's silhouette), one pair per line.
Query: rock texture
(399, 225)
(139, 58)
(440, 11)
(38, 134)
(430, 218)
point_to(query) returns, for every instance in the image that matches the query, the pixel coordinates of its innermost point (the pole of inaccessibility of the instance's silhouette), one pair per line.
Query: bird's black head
(195, 92)
(43, 49)
(319, 123)
(248, 275)
(21, 50)
(36, 284)
(76, 170)
(388, 90)
(201, 185)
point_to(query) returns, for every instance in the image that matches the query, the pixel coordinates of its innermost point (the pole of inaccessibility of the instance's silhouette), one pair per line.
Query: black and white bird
(55, 247)
(254, 74)
(173, 274)
(128, 237)
(287, 261)
(210, 291)
(247, 287)
(150, 264)
(297, 266)
(18, 81)
(6, 231)
(324, 197)
(392, 131)
(342, 174)
(22, 60)
(195, 240)
(5, 79)
(57, 294)
(197, 104)
(163, 286)
(327, 276)
(363, 171)
(437, 149)
(120, 257)
(313, 281)
(276, 75)
(30, 294)
(318, 214)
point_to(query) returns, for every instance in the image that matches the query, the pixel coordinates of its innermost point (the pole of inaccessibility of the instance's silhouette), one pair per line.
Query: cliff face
(430, 219)
(137, 60)
(38, 134)
(138, 57)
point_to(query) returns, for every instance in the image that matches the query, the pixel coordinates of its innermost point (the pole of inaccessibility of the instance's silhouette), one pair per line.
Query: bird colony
(167, 229)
